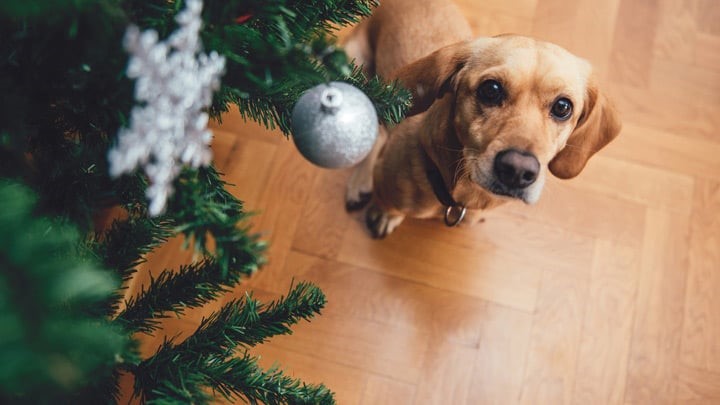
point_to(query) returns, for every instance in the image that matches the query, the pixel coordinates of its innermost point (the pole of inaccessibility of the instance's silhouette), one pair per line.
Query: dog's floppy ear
(430, 77)
(598, 125)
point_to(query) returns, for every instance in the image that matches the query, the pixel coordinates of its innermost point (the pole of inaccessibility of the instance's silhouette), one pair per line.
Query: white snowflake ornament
(174, 85)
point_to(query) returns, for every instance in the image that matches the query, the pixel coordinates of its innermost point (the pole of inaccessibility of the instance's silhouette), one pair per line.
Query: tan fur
(427, 46)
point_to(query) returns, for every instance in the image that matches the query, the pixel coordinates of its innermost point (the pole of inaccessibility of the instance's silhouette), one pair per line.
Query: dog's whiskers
(462, 169)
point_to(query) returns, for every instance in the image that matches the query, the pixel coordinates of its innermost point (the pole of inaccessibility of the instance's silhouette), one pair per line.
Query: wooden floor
(606, 292)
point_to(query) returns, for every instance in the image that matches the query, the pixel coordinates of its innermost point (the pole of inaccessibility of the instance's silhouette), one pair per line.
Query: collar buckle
(454, 214)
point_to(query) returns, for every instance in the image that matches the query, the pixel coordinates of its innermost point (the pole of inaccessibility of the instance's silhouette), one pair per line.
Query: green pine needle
(242, 378)
(247, 322)
(202, 360)
(174, 291)
(45, 285)
(202, 208)
(125, 244)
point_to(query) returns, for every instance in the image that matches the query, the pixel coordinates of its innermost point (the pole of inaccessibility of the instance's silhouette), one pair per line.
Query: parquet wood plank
(322, 225)
(583, 27)
(555, 340)
(385, 391)
(590, 214)
(250, 166)
(708, 15)
(347, 382)
(554, 21)
(547, 246)
(390, 349)
(669, 151)
(701, 328)
(519, 8)
(500, 20)
(697, 387)
(280, 198)
(595, 22)
(657, 327)
(677, 31)
(638, 183)
(682, 116)
(496, 23)
(375, 297)
(223, 144)
(504, 278)
(707, 54)
(607, 326)
(631, 59)
(501, 356)
(446, 374)
(372, 347)
(696, 83)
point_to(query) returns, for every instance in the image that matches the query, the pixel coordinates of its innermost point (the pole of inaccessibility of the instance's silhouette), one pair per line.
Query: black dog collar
(454, 212)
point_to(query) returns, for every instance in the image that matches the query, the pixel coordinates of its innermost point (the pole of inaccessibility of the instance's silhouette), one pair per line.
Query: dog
(490, 117)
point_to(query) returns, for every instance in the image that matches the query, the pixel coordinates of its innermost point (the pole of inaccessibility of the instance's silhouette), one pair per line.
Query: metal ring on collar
(459, 216)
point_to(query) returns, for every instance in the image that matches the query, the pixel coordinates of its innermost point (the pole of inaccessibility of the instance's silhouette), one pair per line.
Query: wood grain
(385, 391)
(555, 340)
(605, 292)
(634, 36)
(701, 328)
(501, 356)
(607, 325)
(659, 305)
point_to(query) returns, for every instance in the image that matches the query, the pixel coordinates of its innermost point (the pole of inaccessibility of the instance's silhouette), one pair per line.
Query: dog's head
(521, 107)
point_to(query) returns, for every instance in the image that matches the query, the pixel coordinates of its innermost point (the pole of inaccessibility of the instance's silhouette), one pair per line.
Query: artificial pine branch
(299, 19)
(391, 100)
(242, 378)
(238, 378)
(203, 208)
(187, 367)
(328, 15)
(268, 71)
(248, 322)
(293, 21)
(174, 291)
(45, 285)
(123, 247)
(271, 102)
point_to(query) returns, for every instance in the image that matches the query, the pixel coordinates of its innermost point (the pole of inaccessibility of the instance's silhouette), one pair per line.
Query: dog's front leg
(360, 185)
(380, 222)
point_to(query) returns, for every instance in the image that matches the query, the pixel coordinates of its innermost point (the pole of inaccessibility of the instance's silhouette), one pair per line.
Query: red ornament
(243, 18)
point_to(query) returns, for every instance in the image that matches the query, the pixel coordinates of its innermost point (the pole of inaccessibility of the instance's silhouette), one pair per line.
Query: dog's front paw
(357, 202)
(380, 223)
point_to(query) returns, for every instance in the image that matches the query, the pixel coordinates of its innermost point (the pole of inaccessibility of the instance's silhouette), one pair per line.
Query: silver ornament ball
(334, 125)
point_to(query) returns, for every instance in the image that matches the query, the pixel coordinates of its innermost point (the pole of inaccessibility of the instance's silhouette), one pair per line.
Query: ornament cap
(331, 100)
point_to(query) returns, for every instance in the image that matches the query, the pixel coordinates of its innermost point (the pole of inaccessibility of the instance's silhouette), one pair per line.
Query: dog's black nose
(516, 169)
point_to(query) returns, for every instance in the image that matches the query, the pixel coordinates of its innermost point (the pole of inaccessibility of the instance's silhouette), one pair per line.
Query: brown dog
(490, 116)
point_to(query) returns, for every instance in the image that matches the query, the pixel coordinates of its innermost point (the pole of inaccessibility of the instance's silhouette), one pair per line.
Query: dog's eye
(562, 109)
(491, 93)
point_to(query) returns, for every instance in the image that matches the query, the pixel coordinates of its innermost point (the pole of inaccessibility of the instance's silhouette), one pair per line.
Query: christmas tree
(70, 90)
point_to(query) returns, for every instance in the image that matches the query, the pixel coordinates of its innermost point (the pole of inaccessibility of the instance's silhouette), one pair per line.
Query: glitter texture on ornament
(174, 86)
(334, 125)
